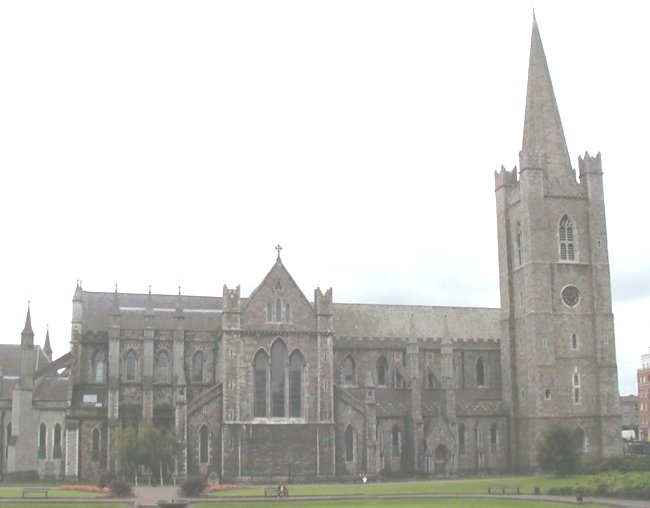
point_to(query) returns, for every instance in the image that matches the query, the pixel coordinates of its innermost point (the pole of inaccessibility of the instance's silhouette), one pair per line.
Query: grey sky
(176, 143)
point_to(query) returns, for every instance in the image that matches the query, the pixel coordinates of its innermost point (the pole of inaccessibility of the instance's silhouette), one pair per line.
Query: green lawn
(527, 485)
(54, 493)
(62, 504)
(437, 503)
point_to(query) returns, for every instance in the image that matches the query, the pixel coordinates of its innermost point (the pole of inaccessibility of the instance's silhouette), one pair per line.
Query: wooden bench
(35, 490)
(273, 492)
(503, 489)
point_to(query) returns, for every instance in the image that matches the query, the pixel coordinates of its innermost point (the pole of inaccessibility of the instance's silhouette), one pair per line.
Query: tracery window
(197, 367)
(348, 371)
(382, 371)
(204, 444)
(349, 443)
(480, 372)
(42, 440)
(260, 374)
(162, 367)
(131, 363)
(567, 239)
(99, 367)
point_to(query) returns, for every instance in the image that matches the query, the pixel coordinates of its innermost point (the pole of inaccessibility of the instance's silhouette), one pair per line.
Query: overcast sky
(176, 143)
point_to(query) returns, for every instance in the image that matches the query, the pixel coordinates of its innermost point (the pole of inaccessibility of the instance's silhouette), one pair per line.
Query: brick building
(277, 385)
(643, 384)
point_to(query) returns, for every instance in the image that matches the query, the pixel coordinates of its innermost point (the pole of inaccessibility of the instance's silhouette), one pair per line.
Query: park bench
(35, 490)
(273, 492)
(503, 488)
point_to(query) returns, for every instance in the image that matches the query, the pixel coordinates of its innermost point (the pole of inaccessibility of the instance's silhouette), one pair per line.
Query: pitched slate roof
(10, 359)
(394, 321)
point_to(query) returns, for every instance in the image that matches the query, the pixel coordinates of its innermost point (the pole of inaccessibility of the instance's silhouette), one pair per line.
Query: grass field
(402, 503)
(527, 485)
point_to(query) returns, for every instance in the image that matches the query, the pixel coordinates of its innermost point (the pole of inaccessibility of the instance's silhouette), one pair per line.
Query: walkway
(149, 496)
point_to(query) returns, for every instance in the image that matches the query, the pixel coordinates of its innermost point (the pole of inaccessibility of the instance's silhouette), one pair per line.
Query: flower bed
(219, 488)
(86, 488)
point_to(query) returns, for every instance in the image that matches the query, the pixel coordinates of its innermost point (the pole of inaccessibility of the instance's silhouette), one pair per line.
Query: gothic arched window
(56, 450)
(278, 311)
(162, 367)
(296, 364)
(269, 313)
(259, 381)
(518, 245)
(462, 449)
(349, 443)
(197, 367)
(576, 387)
(567, 242)
(494, 435)
(42, 440)
(348, 371)
(480, 372)
(382, 371)
(99, 367)
(396, 440)
(96, 444)
(204, 444)
(287, 313)
(131, 362)
(574, 341)
(278, 378)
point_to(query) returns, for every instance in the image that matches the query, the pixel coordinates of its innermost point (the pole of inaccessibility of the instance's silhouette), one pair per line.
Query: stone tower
(558, 356)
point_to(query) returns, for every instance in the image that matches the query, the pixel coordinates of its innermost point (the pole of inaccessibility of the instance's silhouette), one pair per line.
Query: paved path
(149, 496)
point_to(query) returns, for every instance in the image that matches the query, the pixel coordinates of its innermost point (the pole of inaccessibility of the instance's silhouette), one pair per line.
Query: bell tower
(558, 352)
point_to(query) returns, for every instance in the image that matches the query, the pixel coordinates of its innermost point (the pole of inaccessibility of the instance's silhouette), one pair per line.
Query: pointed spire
(179, 305)
(115, 306)
(149, 309)
(27, 336)
(543, 133)
(47, 348)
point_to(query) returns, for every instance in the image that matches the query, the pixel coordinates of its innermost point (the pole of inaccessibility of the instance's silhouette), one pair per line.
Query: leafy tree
(153, 448)
(558, 451)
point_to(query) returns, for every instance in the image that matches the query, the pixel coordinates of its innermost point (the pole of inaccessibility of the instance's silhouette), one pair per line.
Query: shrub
(106, 478)
(120, 488)
(192, 487)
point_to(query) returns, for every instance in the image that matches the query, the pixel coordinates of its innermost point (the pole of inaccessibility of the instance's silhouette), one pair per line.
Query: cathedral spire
(543, 133)
(27, 336)
(47, 348)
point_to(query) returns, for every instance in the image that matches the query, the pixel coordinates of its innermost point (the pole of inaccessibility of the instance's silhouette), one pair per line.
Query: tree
(558, 450)
(153, 448)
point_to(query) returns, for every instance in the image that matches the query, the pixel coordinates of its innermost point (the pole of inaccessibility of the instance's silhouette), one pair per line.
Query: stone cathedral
(279, 385)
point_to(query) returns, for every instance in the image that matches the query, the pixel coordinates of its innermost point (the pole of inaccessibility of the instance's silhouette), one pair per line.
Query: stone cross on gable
(278, 248)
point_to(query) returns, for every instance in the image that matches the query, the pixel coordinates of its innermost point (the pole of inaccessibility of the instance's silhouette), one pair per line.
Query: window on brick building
(382, 371)
(348, 371)
(576, 388)
(349, 443)
(99, 367)
(56, 450)
(260, 375)
(567, 238)
(574, 341)
(130, 365)
(42, 440)
(278, 378)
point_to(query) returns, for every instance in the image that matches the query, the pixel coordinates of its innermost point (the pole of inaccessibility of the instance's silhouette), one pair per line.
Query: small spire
(278, 247)
(149, 309)
(47, 348)
(115, 307)
(27, 336)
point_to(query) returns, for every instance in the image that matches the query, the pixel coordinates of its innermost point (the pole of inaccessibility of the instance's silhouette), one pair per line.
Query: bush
(623, 463)
(105, 479)
(120, 488)
(192, 487)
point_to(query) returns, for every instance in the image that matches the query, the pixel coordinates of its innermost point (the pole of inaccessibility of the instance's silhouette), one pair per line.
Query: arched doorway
(441, 461)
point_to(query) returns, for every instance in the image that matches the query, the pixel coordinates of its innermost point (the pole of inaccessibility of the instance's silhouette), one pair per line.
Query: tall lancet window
(296, 365)
(162, 367)
(567, 240)
(278, 378)
(518, 245)
(99, 367)
(480, 372)
(259, 382)
(131, 363)
(576, 387)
